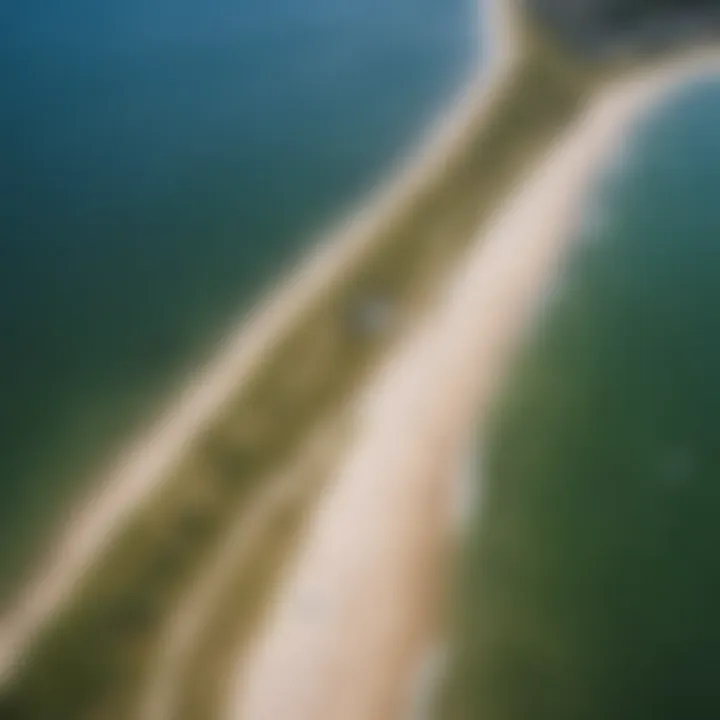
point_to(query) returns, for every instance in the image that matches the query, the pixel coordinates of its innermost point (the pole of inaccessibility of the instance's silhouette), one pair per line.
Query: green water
(590, 584)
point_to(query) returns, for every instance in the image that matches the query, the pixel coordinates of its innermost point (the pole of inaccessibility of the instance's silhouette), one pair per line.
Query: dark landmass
(608, 28)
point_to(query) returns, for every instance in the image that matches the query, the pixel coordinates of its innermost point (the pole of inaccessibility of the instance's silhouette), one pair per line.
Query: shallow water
(592, 584)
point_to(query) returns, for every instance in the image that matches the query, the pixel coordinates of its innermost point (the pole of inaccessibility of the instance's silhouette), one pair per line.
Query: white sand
(343, 636)
(144, 467)
(183, 628)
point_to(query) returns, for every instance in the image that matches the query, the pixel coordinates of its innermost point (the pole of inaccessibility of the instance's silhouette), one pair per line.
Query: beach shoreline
(381, 529)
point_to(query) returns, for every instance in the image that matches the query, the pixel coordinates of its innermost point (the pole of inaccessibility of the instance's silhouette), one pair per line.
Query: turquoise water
(161, 161)
(591, 586)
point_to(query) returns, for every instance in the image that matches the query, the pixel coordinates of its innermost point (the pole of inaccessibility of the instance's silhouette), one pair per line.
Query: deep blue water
(160, 161)
(592, 577)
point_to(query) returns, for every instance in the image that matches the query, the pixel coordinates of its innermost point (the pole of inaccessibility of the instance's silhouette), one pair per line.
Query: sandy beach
(355, 613)
(142, 469)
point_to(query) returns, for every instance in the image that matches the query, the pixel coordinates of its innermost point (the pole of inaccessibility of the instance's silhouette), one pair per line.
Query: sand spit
(347, 628)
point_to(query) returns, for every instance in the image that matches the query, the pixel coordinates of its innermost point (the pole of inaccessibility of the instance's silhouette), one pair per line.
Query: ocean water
(591, 581)
(160, 162)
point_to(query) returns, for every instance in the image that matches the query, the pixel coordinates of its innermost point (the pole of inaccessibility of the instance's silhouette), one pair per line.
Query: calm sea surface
(591, 586)
(160, 161)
